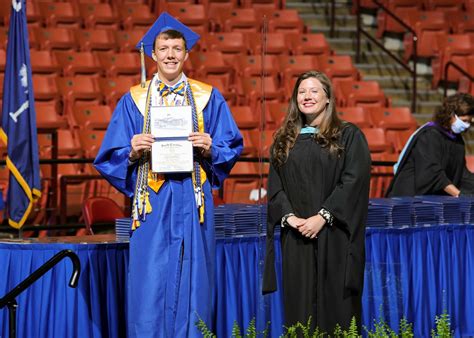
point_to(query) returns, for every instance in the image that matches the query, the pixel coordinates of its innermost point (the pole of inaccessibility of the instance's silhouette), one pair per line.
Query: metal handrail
(9, 299)
(458, 68)
(412, 72)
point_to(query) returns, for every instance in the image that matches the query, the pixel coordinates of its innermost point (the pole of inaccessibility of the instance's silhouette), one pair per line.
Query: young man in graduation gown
(433, 160)
(172, 247)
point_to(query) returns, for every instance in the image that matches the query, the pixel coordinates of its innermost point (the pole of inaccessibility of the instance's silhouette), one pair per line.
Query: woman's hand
(203, 141)
(140, 143)
(312, 226)
(295, 221)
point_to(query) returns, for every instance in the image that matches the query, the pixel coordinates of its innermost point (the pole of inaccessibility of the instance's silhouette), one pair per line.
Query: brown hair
(459, 104)
(170, 34)
(329, 129)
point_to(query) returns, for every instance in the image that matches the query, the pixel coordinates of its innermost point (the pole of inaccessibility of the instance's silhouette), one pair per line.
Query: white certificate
(171, 151)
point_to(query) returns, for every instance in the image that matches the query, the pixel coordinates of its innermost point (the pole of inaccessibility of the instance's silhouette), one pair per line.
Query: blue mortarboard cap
(162, 24)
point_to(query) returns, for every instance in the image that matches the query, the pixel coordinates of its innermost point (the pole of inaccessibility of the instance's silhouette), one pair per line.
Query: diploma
(171, 152)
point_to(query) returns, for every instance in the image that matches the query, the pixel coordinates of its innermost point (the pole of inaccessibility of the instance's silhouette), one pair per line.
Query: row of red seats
(223, 17)
(434, 41)
(66, 92)
(87, 40)
(443, 5)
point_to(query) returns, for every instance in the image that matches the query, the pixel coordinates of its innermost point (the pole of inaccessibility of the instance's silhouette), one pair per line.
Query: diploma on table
(171, 152)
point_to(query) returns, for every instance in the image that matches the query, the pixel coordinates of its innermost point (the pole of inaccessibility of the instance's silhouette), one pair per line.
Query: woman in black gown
(318, 189)
(433, 161)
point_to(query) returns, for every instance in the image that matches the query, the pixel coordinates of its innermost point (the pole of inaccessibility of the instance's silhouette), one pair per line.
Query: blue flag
(18, 130)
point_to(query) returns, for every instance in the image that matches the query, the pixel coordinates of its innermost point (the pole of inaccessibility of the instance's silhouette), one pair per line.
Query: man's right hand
(140, 143)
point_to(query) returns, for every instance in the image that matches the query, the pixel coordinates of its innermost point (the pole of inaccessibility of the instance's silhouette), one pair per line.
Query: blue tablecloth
(413, 272)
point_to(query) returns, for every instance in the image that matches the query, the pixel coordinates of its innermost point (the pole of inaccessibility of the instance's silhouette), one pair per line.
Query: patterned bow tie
(178, 89)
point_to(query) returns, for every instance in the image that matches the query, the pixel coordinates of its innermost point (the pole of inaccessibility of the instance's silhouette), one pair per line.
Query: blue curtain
(413, 272)
(49, 308)
(419, 273)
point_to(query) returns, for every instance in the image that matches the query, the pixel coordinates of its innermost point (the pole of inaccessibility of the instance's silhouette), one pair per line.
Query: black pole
(12, 305)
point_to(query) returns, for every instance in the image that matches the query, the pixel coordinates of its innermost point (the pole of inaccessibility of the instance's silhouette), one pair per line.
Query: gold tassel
(142, 66)
(148, 208)
(135, 224)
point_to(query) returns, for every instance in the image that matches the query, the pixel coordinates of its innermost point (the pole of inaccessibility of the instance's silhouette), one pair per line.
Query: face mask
(459, 125)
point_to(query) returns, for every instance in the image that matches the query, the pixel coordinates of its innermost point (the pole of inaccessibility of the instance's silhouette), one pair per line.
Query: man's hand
(140, 143)
(203, 141)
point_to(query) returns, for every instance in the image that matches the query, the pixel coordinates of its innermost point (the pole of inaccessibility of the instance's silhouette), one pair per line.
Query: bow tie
(165, 90)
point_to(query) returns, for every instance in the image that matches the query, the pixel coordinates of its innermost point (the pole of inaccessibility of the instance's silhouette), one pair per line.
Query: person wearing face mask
(318, 191)
(433, 160)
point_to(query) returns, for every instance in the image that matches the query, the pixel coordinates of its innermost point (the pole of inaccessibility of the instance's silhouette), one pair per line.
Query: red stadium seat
(47, 117)
(241, 190)
(117, 64)
(91, 116)
(75, 63)
(275, 43)
(250, 90)
(78, 89)
(283, 20)
(357, 115)
(244, 169)
(398, 138)
(359, 93)
(237, 19)
(427, 25)
(444, 5)
(277, 111)
(376, 140)
(46, 90)
(96, 210)
(453, 48)
(90, 141)
(96, 40)
(67, 144)
(60, 14)
(249, 150)
(393, 118)
(262, 140)
(470, 163)
(338, 66)
(313, 44)
(43, 62)
(461, 21)
(135, 15)
(226, 42)
(192, 15)
(98, 15)
(294, 65)
(212, 63)
(245, 117)
(251, 65)
(113, 89)
(127, 39)
(55, 38)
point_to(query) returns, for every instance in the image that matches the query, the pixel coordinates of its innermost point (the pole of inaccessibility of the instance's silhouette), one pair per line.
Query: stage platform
(416, 272)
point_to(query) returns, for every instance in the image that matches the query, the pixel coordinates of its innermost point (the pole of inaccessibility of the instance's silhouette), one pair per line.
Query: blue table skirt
(414, 272)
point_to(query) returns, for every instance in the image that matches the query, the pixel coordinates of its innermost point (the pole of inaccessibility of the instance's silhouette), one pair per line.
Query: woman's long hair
(459, 104)
(329, 129)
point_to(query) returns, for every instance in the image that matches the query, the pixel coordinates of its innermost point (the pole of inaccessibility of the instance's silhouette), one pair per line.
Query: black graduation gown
(322, 278)
(432, 161)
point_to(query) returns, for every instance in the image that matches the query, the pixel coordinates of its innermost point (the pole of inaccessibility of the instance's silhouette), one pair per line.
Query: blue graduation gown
(171, 269)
